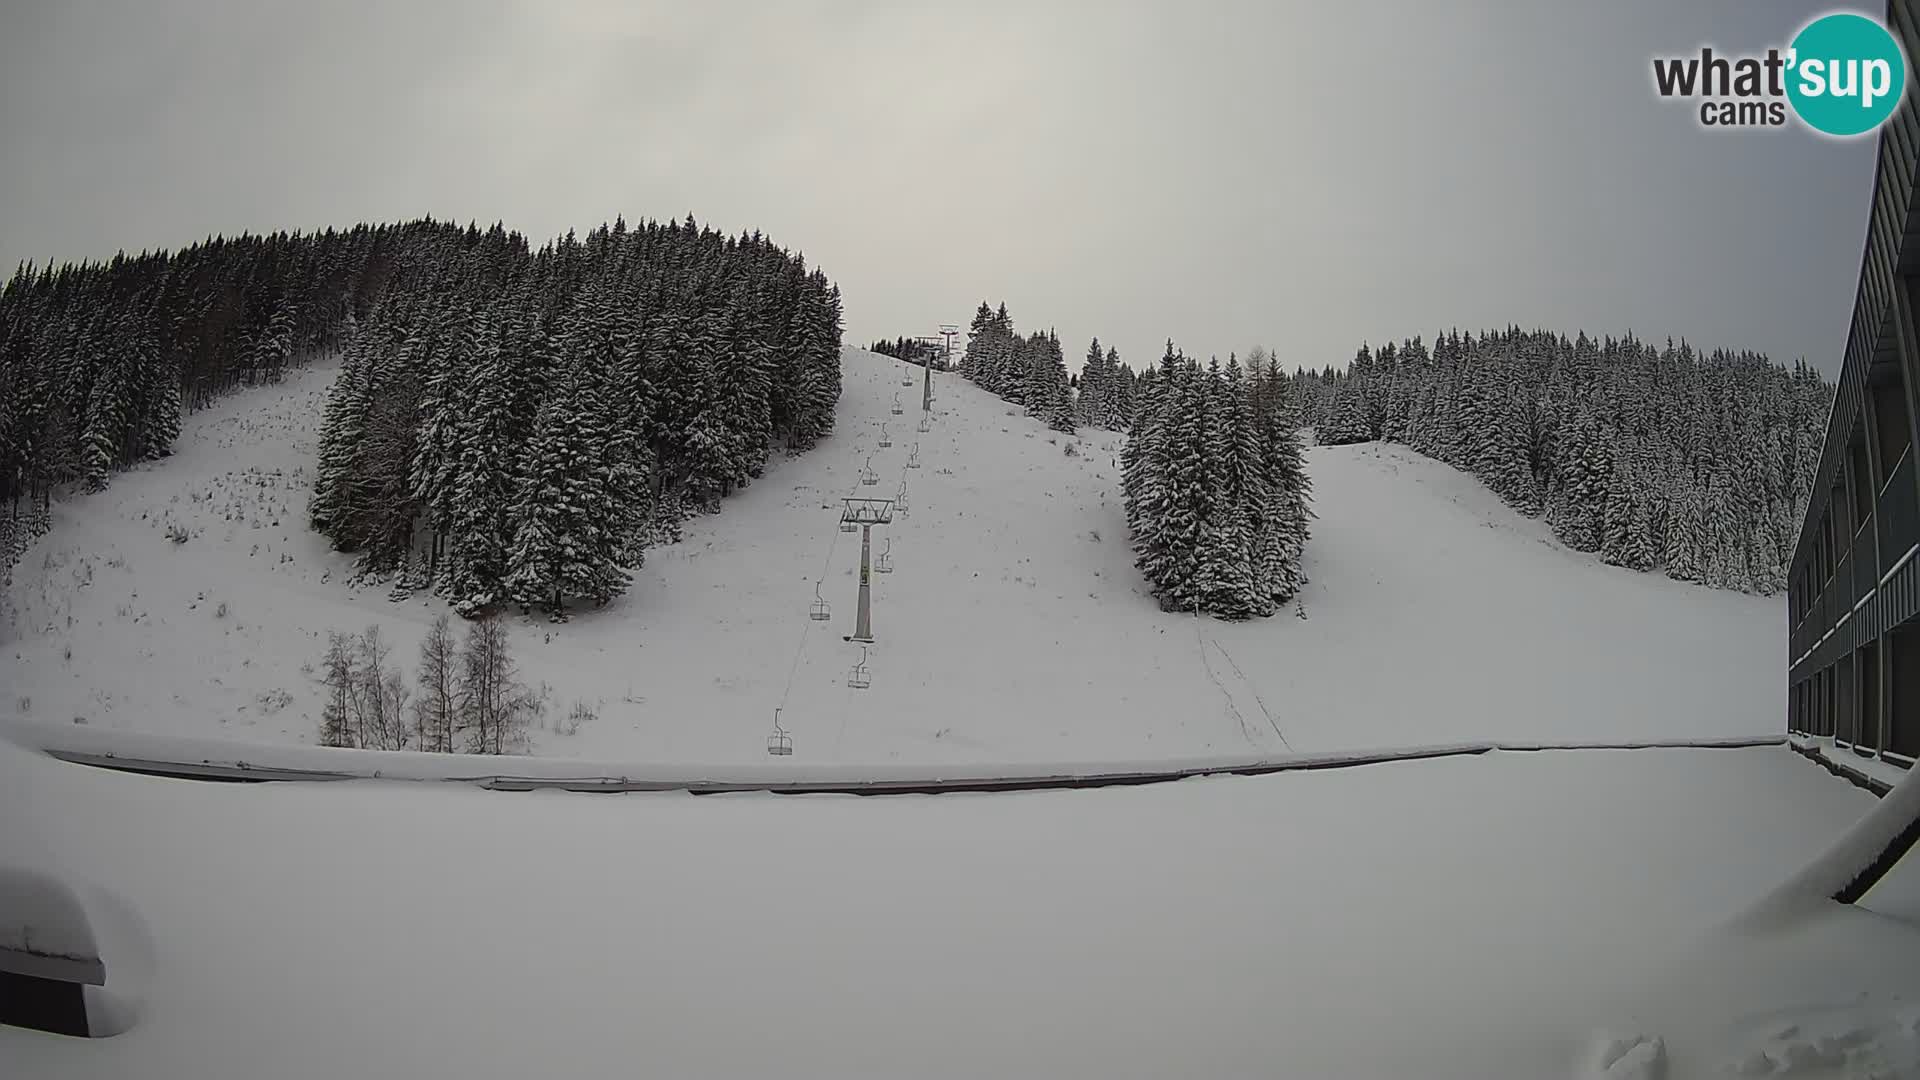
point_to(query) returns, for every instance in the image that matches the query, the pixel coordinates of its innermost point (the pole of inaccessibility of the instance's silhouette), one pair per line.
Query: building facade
(1854, 583)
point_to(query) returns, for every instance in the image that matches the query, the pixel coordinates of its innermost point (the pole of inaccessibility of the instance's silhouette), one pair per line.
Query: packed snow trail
(1014, 627)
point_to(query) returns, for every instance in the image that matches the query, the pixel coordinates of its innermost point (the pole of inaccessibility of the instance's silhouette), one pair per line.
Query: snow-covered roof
(43, 928)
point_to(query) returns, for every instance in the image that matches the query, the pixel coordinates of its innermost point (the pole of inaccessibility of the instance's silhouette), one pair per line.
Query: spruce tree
(1049, 396)
(1091, 402)
(1288, 493)
(568, 514)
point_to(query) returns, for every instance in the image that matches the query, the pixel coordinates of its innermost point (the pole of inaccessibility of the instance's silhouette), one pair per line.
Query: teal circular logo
(1846, 74)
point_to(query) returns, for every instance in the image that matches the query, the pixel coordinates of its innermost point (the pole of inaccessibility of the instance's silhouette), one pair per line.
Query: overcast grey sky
(1297, 175)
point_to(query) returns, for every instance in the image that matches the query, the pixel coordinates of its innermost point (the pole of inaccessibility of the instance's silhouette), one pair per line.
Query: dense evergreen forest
(1214, 475)
(1028, 370)
(508, 426)
(1216, 487)
(1697, 465)
(911, 350)
(1031, 371)
(1657, 458)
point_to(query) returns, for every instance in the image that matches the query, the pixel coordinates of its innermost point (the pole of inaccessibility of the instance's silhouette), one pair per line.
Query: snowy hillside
(1013, 627)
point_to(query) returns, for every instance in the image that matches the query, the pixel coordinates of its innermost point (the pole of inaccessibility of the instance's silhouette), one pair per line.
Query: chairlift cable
(801, 649)
(846, 706)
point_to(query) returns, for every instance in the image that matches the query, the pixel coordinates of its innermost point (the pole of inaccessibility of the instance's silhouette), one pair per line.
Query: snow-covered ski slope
(1013, 627)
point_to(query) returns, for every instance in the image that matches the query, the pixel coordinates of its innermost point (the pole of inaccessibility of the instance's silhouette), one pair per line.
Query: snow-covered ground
(1496, 916)
(1013, 629)
(1503, 915)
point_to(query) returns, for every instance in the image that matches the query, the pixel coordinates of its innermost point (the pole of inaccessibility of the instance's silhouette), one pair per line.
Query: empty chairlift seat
(779, 743)
(858, 678)
(819, 611)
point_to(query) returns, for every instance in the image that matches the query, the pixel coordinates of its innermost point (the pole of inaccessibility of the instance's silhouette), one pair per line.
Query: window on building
(1822, 708)
(1845, 729)
(1903, 710)
(1860, 478)
(1868, 664)
(1826, 703)
(1891, 428)
(1826, 547)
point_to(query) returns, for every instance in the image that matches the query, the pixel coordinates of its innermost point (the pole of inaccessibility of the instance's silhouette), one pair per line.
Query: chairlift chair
(897, 410)
(913, 459)
(926, 422)
(848, 526)
(884, 563)
(886, 439)
(779, 744)
(867, 475)
(858, 678)
(818, 611)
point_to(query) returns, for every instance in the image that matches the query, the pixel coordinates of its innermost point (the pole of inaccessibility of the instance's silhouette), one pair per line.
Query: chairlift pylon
(886, 439)
(883, 564)
(867, 475)
(819, 611)
(779, 743)
(859, 678)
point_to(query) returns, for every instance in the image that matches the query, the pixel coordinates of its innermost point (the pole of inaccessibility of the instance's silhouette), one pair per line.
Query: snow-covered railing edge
(1857, 860)
(203, 759)
(1838, 758)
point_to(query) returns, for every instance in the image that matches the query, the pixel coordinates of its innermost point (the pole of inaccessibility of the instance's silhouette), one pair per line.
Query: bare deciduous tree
(382, 696)
(495, 707)
(470, 690)
(437, 710)
(336, 718)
